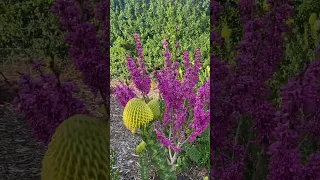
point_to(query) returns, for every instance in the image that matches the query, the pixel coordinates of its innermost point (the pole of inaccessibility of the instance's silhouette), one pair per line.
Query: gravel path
(124, 143)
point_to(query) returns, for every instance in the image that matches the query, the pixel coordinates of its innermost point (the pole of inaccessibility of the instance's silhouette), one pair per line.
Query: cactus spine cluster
(137, 114)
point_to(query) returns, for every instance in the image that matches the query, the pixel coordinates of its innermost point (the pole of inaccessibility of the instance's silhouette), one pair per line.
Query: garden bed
(124, 143)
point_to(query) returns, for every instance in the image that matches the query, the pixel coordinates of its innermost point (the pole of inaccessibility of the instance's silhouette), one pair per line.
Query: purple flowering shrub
(46, 102)
(186, 112)
(251, 137)
(87, 34)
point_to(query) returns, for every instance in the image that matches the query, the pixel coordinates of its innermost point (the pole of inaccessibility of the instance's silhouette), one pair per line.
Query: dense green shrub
(182, 21)
(199, 152)
(29, 27)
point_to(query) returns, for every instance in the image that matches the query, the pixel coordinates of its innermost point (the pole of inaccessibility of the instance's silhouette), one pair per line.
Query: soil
(21, 155)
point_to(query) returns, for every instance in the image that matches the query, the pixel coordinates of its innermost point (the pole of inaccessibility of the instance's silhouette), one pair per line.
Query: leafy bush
(30, 28)
(199, 151)
(187, 21)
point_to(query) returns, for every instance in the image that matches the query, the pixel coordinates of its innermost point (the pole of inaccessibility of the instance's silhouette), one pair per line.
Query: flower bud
(141, 147)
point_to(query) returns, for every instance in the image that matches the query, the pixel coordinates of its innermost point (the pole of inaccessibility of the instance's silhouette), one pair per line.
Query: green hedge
(30, 27)
(184, 21)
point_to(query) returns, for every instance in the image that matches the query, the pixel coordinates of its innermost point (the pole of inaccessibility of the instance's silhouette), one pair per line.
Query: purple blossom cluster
(240, 93)
(180, 97)
(45, 102)
(297, 124)
(138, 69)
(87, 42)
(187, 108)
(124, 93)
(201, 111)
(139, 75)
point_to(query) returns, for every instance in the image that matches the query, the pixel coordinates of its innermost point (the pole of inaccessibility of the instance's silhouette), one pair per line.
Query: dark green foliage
(199, 152)
(183, 21)
(30, 28)
(157, 155)
(230, 17)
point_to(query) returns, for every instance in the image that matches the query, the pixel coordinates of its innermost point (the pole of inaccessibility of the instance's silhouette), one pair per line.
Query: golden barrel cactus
(136, 114)
(79, 150)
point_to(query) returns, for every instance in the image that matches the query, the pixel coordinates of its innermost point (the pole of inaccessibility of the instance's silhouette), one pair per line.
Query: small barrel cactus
(136, 114)
(79, 149)
(155, 107)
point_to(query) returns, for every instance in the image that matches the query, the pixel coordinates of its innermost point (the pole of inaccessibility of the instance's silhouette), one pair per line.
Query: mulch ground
(20, 154)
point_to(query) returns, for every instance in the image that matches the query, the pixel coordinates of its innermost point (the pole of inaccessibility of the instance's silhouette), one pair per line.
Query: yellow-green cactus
(141, 147)
(136, 114)
(155, 108)
(79, 149)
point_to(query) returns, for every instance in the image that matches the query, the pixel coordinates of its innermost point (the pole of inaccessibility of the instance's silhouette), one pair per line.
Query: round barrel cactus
(136, 114)
(155, 108)
(79, 149)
